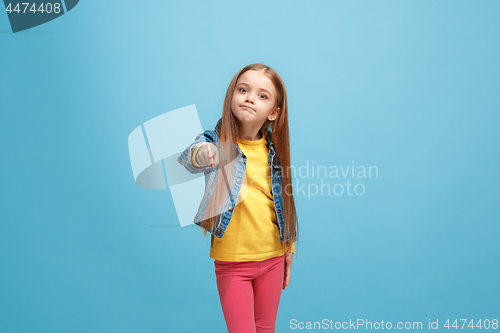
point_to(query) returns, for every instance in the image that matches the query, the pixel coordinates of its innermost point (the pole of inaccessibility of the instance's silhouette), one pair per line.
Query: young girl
(248, 202)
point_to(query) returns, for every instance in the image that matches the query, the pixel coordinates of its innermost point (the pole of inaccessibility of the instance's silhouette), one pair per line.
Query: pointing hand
(208, 154)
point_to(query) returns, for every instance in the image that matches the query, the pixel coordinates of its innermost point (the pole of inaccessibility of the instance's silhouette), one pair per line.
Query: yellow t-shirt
(253, 232)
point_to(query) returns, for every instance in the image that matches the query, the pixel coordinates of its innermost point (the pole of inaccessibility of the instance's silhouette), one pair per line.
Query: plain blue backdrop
(410, 87)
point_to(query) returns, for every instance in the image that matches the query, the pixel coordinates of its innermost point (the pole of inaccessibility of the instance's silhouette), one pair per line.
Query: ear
(273, 115)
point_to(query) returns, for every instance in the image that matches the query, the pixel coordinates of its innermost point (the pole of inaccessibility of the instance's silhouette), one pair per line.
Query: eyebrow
(260, 88)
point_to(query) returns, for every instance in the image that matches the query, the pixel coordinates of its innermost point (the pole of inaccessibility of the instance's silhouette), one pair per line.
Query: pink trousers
(250, 293)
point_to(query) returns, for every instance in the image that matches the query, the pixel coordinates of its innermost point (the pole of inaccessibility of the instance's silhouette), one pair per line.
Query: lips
(247, 107)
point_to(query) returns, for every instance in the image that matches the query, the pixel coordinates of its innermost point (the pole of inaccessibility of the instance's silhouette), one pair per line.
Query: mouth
(247, 107)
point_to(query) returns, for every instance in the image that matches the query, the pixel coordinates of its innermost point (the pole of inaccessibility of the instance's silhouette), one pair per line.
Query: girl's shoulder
(207, 136)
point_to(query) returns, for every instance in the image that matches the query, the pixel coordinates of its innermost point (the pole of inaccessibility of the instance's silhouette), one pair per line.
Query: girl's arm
(288, 269)
(195, 151)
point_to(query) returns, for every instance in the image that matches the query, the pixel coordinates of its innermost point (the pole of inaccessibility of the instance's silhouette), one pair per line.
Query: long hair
(276, 131)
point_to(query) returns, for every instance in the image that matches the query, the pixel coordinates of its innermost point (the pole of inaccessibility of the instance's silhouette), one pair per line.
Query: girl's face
(254, 99)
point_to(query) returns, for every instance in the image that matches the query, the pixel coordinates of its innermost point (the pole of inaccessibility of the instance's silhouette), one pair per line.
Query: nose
(249, 99)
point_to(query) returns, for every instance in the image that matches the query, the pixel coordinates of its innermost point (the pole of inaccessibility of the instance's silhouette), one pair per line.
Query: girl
(248, 202)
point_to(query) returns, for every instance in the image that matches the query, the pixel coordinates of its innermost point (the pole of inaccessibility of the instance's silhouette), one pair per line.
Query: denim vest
(185, 159)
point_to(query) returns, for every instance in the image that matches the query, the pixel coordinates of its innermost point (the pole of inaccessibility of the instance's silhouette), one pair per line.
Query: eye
(242, 89)
(264, 96)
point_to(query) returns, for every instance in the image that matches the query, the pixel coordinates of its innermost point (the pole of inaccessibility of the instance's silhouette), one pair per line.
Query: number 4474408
(43, 8)
(487, 324)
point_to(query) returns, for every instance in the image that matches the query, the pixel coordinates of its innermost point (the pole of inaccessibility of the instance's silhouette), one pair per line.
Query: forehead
(257, 80)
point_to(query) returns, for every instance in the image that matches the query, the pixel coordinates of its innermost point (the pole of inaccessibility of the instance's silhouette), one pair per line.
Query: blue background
(408, 86)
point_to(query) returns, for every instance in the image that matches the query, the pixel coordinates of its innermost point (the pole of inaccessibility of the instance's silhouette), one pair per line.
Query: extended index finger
(210, 156)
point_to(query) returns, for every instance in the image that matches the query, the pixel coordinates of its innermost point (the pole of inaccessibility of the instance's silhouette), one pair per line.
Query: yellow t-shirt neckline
(253, 142)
